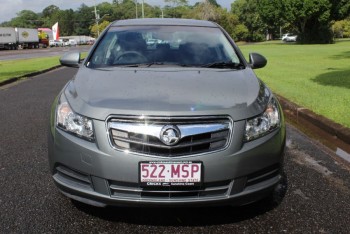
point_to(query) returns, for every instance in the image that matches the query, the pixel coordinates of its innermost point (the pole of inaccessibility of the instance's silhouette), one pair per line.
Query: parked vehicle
(90, 42)
(289, 37)
(26, 38)
(56, 43)
(69, 42)
(72, 42)
(184, 122)
(43, 38)
(8, 39)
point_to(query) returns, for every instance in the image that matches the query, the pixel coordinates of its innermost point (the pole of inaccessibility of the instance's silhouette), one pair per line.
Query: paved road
(314, 197)
(36, 53)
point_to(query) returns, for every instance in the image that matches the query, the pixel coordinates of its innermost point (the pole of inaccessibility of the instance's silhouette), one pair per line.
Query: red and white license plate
(170, 173)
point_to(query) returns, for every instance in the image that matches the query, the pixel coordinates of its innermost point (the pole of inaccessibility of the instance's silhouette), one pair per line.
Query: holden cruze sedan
(183, 121)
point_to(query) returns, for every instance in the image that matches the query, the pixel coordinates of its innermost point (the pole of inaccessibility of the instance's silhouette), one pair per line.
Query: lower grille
(74, 178)
(195, 135)
(132, 190)
(263, 175)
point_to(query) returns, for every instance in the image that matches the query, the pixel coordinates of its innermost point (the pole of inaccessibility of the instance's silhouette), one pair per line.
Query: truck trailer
(28, 38)
(25, 38)
(8, 38)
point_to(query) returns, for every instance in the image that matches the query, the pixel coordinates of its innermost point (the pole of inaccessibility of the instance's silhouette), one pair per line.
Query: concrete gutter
(300, 114)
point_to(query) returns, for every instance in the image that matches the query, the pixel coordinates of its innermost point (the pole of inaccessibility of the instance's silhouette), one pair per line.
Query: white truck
(14, 38)
(28, 38)
(8, 38)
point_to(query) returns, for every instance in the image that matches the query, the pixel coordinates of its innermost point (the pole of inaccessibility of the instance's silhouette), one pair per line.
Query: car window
(187, 46)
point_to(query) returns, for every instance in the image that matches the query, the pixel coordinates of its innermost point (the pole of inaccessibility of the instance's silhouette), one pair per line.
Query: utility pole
(137, 16)
(97, 18)
(143, 10)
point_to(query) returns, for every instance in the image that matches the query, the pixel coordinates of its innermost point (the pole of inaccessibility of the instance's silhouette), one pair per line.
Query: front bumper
(97, 174)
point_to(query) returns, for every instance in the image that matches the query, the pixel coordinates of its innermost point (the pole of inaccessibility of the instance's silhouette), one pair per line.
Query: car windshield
(164, 45)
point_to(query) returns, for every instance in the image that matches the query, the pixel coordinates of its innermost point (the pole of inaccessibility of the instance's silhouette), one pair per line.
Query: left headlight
(71, 122)
(263, 124)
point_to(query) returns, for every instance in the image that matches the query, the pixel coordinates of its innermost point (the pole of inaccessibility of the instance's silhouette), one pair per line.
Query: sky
(9, 8)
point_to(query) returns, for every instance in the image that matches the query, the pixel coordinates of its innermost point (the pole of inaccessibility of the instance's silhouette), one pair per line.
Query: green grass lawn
(314, 76)
(21, 67)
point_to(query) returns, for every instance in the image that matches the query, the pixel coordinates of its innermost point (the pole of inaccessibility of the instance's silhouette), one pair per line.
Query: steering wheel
(131, 56)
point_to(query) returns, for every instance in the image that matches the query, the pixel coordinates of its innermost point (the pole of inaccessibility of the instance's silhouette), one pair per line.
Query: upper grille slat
(198, 135)
(182, 145)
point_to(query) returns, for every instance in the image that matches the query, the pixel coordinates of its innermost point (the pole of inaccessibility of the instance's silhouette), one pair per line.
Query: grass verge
(314, 76)
(17, 68)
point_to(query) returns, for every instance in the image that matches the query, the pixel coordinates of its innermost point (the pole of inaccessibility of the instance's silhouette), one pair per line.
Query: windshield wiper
(224, 65)
(184, 65)
(139, 64)
(153, 63)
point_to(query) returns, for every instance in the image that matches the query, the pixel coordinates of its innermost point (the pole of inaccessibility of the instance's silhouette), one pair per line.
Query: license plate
(170, 173)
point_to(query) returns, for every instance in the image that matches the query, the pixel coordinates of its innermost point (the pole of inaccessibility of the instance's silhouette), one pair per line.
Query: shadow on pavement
(201, 216)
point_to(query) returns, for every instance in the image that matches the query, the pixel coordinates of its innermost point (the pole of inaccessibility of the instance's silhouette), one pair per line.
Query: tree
(176, 9)
(124, 10)
(309, 18)
(176, 12)
(340, 9)
(50, 15)
(205, 11)
(26, 19)
(312, 20)
(213, 2)
(101, 27)
(66, 20)
(105, 8)
(274, 14)
(84, 17)
(49, 11)
(341, 28)
(247, 12)
(177, 2)
(229, 21)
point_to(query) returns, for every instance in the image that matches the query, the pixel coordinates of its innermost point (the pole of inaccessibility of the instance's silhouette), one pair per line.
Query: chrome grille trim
(132, 190)
(199, 135)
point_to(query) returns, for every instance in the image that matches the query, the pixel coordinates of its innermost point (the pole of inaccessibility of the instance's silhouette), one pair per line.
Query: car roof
(166, 21)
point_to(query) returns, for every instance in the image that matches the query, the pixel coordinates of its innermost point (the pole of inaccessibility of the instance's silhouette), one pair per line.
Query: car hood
(99, 93)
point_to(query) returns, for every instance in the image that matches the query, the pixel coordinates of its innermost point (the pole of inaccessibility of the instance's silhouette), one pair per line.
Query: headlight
(264, 123)
(73, 123)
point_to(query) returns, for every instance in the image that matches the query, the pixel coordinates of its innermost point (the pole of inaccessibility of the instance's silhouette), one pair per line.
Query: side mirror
(257, 60)
(70, 59)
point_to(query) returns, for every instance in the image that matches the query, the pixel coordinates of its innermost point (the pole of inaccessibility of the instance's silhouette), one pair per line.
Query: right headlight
(71, 122)
(263, 124)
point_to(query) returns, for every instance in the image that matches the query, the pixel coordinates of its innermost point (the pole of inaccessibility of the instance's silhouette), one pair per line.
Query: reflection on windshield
(163, 45)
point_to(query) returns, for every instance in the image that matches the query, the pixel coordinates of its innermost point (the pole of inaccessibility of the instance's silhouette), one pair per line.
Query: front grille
(132, 190)
(143, 135)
